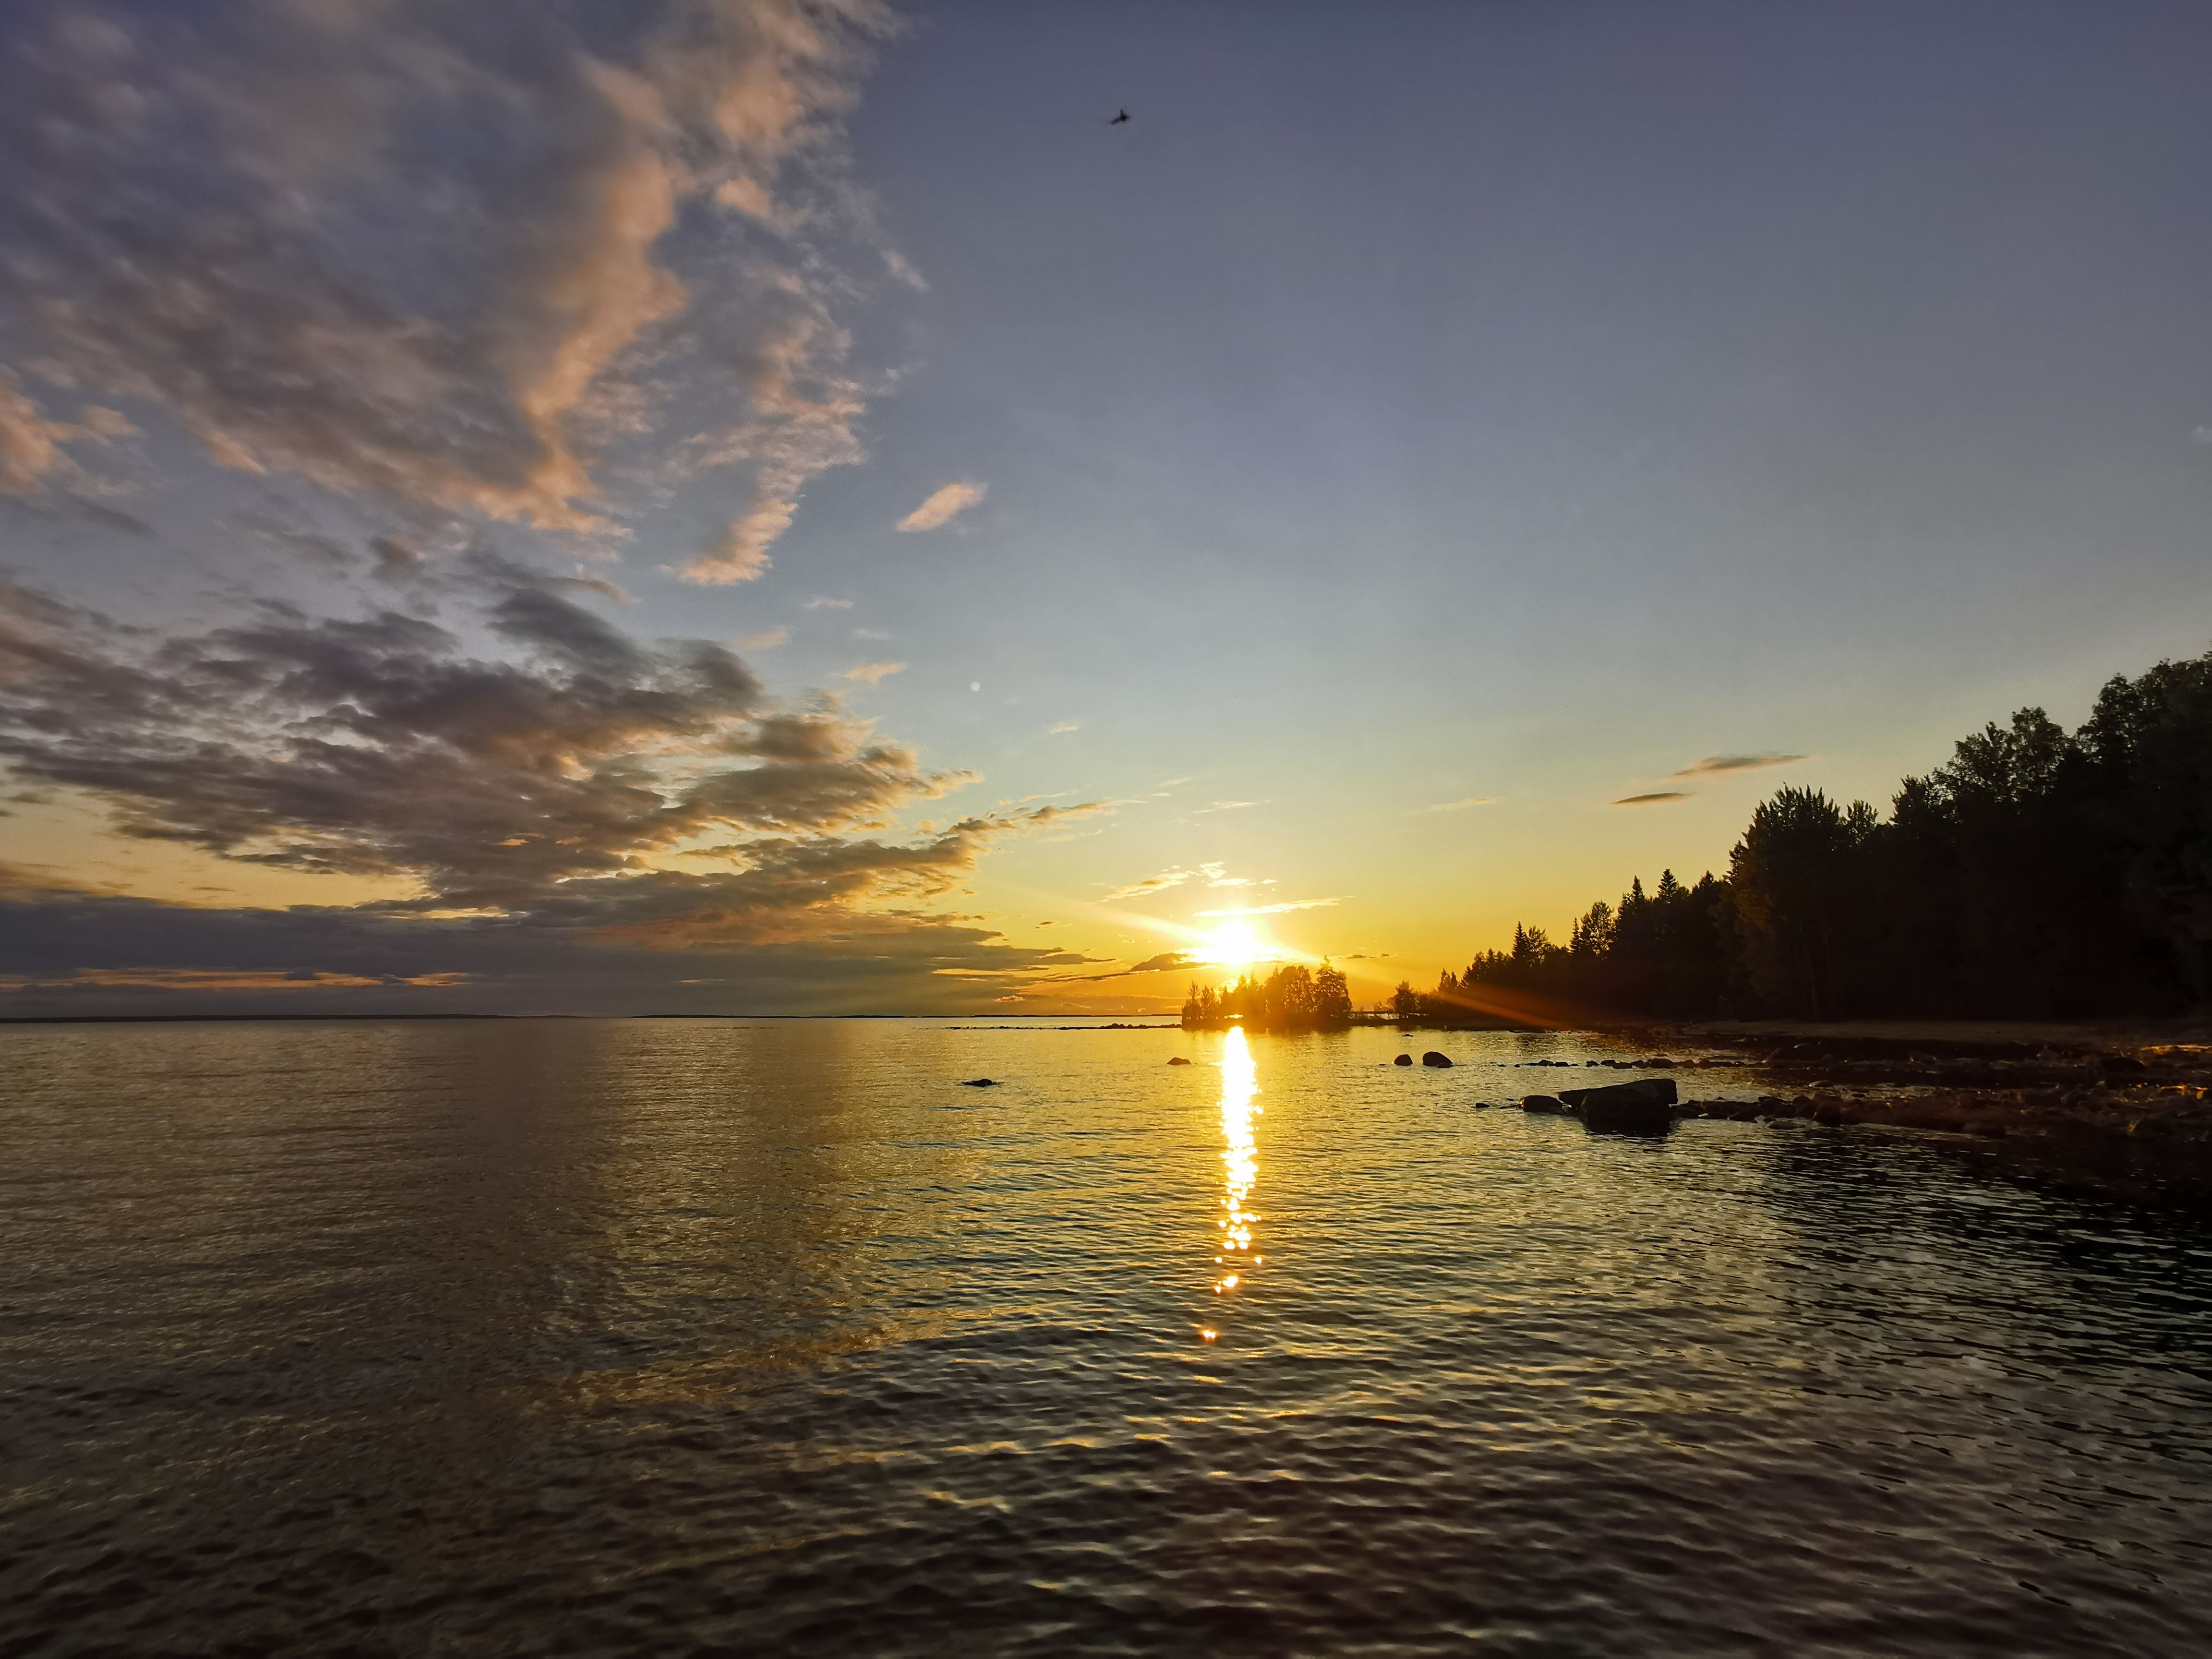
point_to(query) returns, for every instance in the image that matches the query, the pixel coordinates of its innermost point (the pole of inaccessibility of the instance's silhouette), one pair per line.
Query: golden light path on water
(1240, 1167)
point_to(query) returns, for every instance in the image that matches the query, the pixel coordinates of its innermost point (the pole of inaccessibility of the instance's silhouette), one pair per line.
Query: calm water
(690, 1337)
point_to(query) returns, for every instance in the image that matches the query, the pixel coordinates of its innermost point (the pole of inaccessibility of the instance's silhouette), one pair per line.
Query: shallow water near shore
(697, 1336)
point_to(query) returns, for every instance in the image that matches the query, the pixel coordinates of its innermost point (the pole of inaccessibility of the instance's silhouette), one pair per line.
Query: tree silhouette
(2035, 873)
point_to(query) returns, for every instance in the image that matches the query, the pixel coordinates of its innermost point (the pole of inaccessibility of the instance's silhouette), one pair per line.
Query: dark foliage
(2039, 873)
(1291, 999)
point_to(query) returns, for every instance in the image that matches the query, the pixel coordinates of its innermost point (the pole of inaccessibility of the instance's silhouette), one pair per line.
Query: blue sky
(1410, 406)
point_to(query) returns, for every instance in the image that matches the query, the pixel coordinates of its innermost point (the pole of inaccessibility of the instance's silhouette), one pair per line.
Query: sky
(760, 506)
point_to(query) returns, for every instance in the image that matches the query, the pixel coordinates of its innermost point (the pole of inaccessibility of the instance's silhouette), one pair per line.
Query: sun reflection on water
(1240, 1164)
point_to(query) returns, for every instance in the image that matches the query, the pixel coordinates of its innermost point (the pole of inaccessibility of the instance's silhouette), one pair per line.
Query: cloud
(1168, 961)
(31, 444)
(1459, 806)
(818, 603)
(1063, 727)
(570, 819)
(501, 261)
(778, 949)
(942, 504)
(874, 673)
(767, 640)
(1719, 765)
(740, 553)
(1657, 799)
(377, 745)
(1158, 883)
(1275, 909)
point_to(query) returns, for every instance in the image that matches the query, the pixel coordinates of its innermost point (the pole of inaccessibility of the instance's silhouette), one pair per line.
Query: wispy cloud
(943, 504)
(739, 554)
(30, 444)
(1158, 883)
(1168, 961)
(1719, 765)
(819, 603)
(1655, 799)
(767, 640)
(874, 673)
(869, 634)
(1064, 727)
(1458, 806)
(1232, 806)
(1274, 909)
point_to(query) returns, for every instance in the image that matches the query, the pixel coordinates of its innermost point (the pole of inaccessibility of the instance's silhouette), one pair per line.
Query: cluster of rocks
(2096, 1104)
(1647, 1106)
(1433, 1057)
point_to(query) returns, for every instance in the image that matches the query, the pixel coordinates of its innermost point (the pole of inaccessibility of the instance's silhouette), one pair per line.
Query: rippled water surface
(695, 1336)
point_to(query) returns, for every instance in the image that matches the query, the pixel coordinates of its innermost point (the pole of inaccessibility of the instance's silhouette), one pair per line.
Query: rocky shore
(2147, 1103)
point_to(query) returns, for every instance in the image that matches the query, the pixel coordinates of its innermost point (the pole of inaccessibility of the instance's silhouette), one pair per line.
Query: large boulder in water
(1433, 1058)
(1645, 1107)
(1403, 1060)
(1543, 1103)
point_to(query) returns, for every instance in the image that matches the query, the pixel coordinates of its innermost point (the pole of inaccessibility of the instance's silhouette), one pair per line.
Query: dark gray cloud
(376, 745)
(1168, 961)
(1719, 765)
(1659, 798)
(463, 258)
(549, 790)
(71, 953)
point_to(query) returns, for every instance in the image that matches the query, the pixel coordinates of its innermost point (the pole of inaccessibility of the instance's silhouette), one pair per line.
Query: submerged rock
(979, 1083)
(1178, 1059)
(1645, 1107)
(1433, 1058)
(1403, 1060)
(1551, 1105)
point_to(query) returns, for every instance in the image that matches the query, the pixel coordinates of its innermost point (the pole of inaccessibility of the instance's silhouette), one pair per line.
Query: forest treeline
(2039, 873)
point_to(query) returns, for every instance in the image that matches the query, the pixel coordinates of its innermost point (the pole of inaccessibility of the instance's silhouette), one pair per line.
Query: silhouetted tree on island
(2037, 873)
(1291, 999)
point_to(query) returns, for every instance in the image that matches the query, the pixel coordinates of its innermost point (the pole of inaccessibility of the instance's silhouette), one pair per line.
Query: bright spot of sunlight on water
(1240, 1151)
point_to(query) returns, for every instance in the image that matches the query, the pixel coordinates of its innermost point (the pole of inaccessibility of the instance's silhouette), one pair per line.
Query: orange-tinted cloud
(942, 504)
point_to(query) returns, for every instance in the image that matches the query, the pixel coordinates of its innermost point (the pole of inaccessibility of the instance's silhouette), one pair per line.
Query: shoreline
(2126, 1100)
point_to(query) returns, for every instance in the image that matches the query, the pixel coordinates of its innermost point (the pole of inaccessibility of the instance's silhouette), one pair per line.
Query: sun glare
(1235, 945)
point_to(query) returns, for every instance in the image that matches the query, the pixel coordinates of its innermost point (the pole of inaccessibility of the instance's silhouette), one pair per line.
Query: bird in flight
(1118, 119)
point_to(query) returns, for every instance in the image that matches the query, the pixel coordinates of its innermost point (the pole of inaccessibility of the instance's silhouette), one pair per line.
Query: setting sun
(1235, 945)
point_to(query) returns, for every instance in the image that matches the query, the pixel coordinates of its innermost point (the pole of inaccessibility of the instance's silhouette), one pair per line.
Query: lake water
(677, 1337)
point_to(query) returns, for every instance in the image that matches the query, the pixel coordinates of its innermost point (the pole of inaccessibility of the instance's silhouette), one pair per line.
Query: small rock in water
(979, 1083)
(1545, 1104)
(1433, 1058)
(1178, 1059)
(1403, 1060)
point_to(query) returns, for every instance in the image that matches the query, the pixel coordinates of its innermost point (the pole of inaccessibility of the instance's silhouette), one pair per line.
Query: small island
(1294, 997)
